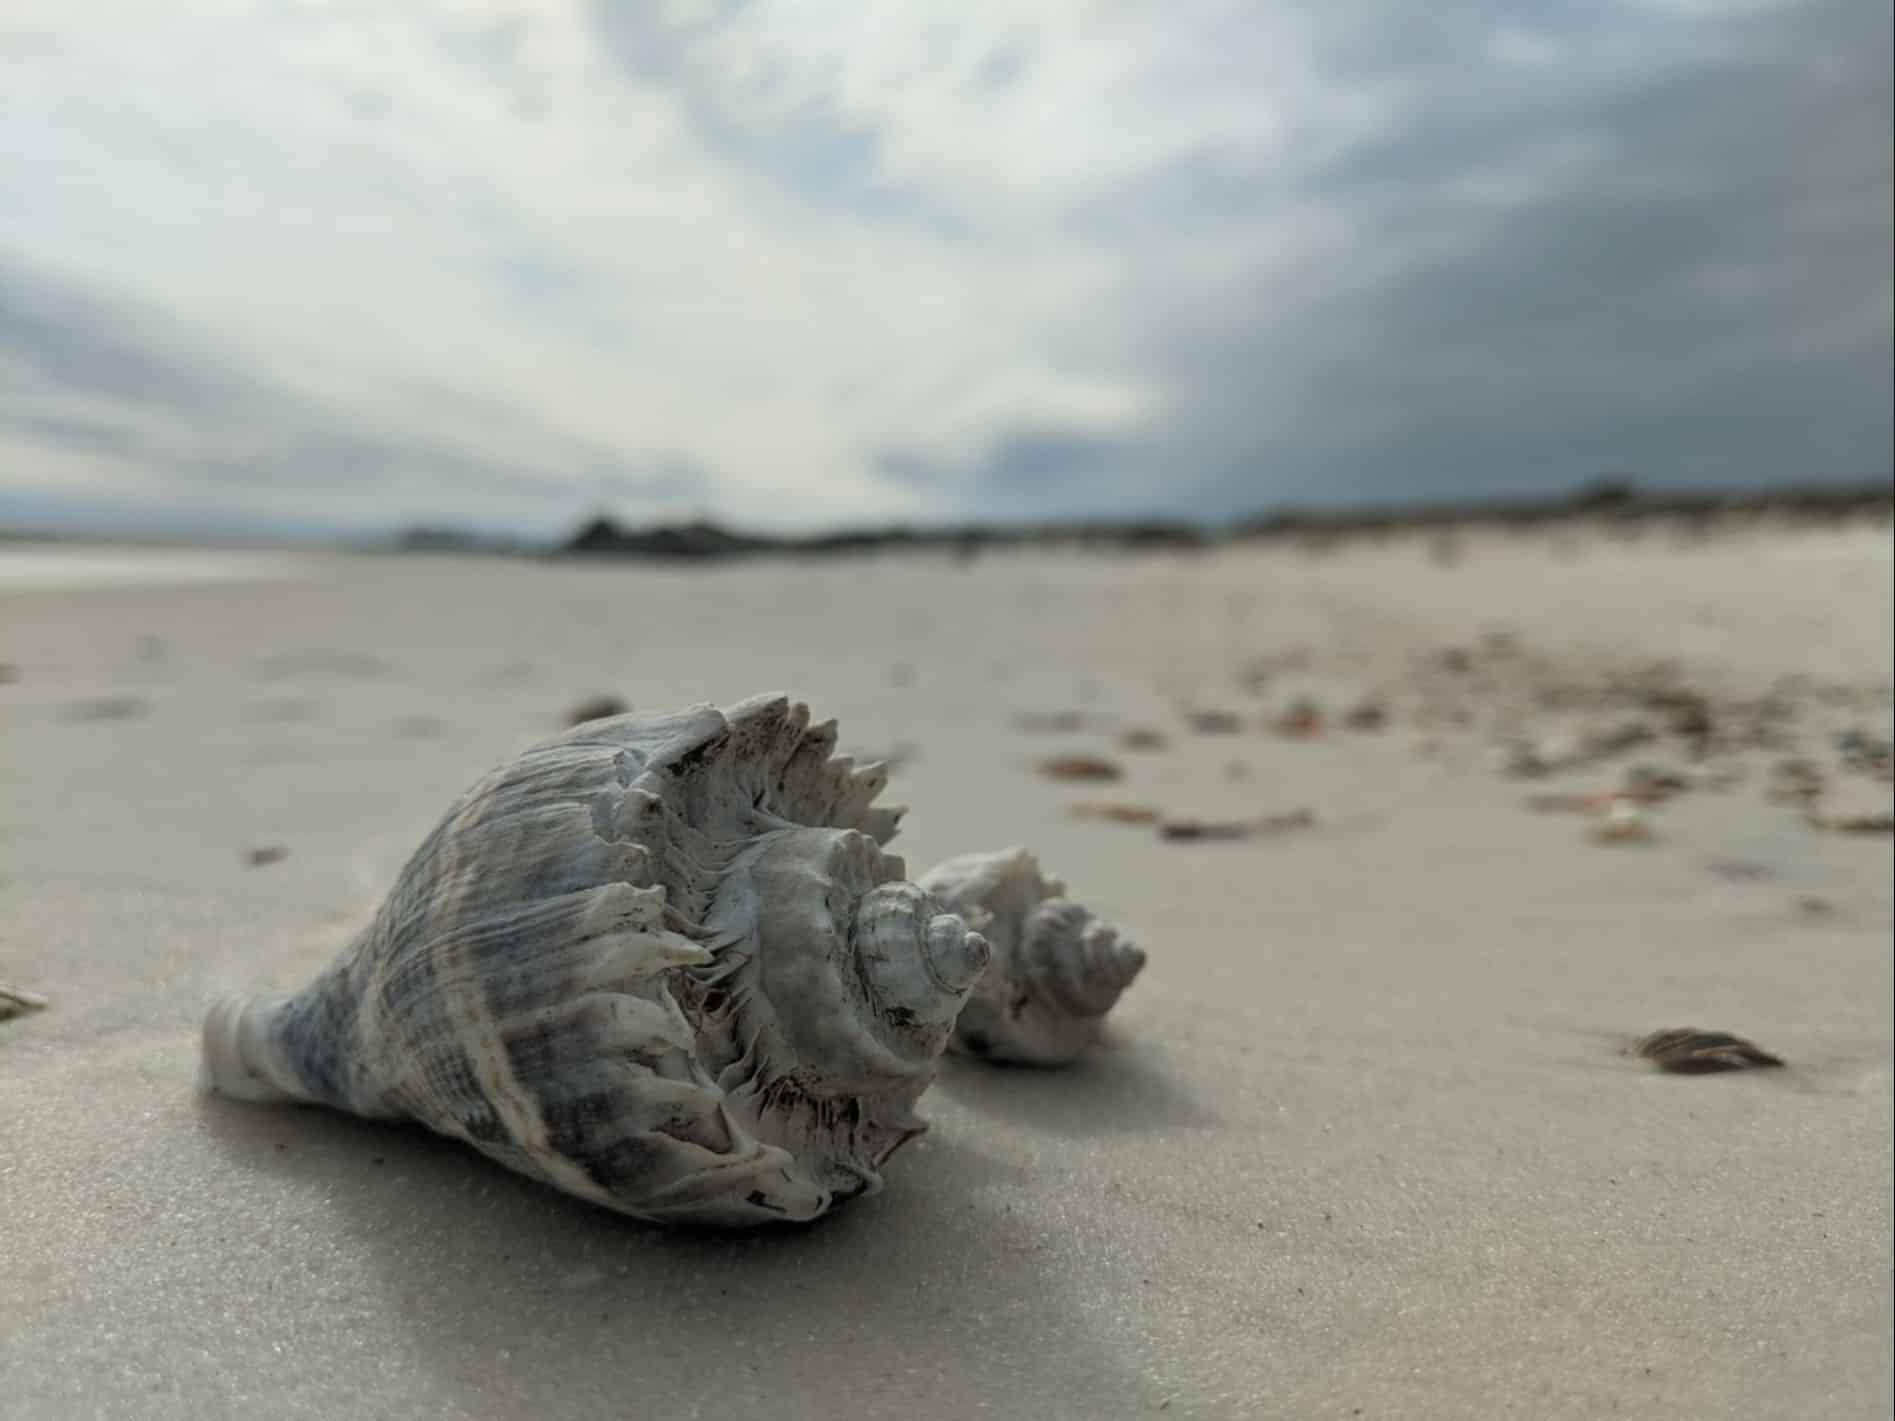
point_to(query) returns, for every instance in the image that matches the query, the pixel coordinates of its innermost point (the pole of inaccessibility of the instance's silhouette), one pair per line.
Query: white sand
(1361, 1142)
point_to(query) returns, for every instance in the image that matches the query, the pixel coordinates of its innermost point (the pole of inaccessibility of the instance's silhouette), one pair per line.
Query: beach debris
(1115, 811)
(1142, 738)
(1214, 722)
(1687, 1050)
(1065, 722)
(662, 963)
(17, 1001)
(1621, 823)
(1206, 829)
(1302, 720)
(100, 708)
(1188, 830)
(1081, 767)
(602, 707)
(1365, 715)
(1056, 969)
(265, 855)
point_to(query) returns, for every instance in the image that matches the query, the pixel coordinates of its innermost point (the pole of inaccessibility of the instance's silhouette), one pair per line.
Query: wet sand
(1363, 1140)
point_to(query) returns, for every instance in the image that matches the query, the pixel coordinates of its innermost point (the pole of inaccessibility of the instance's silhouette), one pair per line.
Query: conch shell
(661, 963)
(1056, 972)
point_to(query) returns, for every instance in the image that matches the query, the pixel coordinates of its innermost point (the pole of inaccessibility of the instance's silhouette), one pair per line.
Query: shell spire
(659, 962)
(1057, 970)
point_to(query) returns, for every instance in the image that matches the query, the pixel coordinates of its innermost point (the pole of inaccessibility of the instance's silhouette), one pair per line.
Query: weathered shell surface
(661, 963)
(1057, 970)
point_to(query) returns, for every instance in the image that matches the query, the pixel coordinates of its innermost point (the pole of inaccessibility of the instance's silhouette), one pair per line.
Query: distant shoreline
(1608, 504)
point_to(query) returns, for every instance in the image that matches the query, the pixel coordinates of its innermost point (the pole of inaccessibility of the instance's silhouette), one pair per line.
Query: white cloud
(502, 247)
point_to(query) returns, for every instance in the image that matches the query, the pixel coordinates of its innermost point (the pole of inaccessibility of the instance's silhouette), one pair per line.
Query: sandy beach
(1363, 1141)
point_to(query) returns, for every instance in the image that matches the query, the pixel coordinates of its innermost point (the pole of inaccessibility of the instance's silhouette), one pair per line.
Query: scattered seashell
(1196, 829)
(1302, 721)
(1200, 829)
(1141, 738)
(596, 708)
(17, 1001)
(1622, 823)
(268, 854)
(1080, 767)
(107, 708)
(1056, 970)
(659, 962)
(1115, 811)
(1214, 722)
(1688, 1051)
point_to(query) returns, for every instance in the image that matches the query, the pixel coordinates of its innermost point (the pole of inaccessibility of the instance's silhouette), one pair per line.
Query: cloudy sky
(268, 264)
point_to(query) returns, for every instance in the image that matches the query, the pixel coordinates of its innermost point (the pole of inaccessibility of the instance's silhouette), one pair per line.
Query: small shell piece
(1057, 970)
(659, 962)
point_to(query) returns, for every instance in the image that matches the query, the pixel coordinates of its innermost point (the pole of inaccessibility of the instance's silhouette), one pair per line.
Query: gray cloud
(120, 365)
(1306, 253)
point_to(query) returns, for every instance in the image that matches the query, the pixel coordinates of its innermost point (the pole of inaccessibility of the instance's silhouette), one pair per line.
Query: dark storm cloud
(1702, 297)
(1679, 268)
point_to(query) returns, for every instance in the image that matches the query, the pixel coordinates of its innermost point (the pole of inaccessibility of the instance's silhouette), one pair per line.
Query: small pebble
(1116, 812)
(1080, 767)
(1302, 721)
(1688, 1051)
(267, 854)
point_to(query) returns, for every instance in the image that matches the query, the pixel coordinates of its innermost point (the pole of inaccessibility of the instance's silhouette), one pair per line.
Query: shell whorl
(661, 962)
(1057, 970)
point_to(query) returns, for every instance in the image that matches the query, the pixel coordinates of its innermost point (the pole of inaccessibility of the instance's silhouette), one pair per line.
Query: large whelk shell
(1056, 972)
(659, 962)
